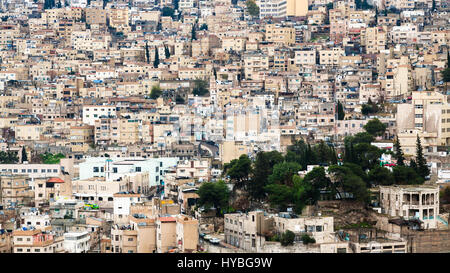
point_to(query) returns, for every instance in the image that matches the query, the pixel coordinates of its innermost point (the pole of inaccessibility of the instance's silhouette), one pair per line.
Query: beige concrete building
(411, 202)
(280, 34)
(35, 241)
(166, 234)
(297, 8)
(187, 233)
(428, 115)
(230, 150)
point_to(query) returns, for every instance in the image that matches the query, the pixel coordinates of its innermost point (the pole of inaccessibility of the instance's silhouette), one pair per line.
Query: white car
(207, 237)
(214, 241)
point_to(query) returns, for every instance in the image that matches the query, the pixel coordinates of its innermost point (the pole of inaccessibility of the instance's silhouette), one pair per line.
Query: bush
(308, 239)
(287, 238)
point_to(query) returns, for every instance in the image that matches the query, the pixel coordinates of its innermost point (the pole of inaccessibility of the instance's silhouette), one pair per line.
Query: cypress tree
(166, 51)
(156, 61)
(193, 37)
(399, 153)
(422, 167)
(147, 53)
(24, 154)
(341, 113)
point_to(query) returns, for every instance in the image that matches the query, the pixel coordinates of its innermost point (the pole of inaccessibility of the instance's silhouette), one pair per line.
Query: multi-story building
(412, 202)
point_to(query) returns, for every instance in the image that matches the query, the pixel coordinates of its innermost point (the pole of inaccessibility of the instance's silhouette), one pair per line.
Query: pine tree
(147, 53)
(341, 113)
(399, 153)
(24, 154)
(156, 61)
(422, 167)
(166, 51)
(193, 37)
(412, 164)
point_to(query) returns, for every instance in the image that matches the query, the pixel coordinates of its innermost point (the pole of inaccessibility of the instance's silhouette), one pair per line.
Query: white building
(115, 168)
(77, 242)
(91, 113)
(122, 205)
(272, 8)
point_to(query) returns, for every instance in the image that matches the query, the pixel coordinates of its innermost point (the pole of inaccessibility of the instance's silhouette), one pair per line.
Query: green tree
(317, 180)
(166, 51)
(213, 194)
(341, 113)
(156, 61)
(24, 154)
(204, 27)
(369, 108)
(167, 11)
(357, 170)
(367, 156)
(302, 193)
(239, 171)
(345, 180)
(306, 239)
(445, 194)
(399, 153)
(406, 176)
(262, 169)
(147, 53)
(324, 153)
(280, 196)
(252, 8)
(422, 167)
(179, 100)
(283, 172)
(49, 158)
(375, 127)
(175, 4)
(49, 4)
(8, 157)
(156, 92)
(363, 137)
(381, 176)
(200, 88)
(193, 35)
(287, 238)
(301, 153)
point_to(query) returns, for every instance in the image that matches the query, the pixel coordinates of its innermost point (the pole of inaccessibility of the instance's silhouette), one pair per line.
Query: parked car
(207, 237)
(214, 240)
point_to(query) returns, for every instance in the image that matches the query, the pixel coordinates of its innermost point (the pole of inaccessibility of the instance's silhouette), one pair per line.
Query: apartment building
(280, 34)
(187, 233)
(246, 231)
(36, 241)
(15, 190)
(166, 234)
(272, 8)
(76, 242)
(427, 116)
(92, 113)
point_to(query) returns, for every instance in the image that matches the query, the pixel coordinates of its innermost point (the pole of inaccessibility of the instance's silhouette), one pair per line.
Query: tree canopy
(375, 127)
(213, 194)
(252, 8)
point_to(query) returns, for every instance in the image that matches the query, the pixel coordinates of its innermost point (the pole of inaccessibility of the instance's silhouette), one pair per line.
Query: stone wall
(429, 241)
